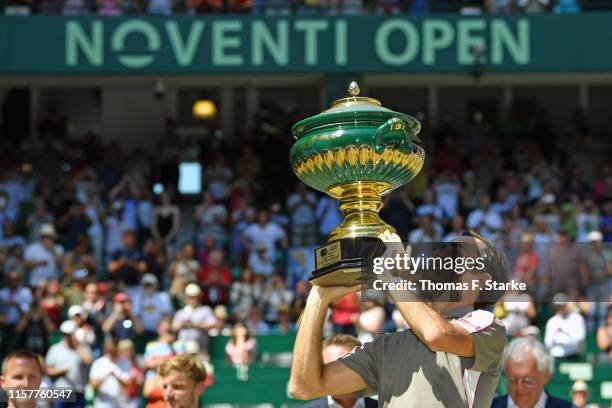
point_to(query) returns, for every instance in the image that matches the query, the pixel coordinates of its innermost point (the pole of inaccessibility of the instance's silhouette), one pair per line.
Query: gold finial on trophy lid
(353, 89)
(354, 100)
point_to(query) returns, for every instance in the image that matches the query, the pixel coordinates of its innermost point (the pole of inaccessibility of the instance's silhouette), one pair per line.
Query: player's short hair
(344, 340)
(495, 264)
(24, 354)
(188, 364)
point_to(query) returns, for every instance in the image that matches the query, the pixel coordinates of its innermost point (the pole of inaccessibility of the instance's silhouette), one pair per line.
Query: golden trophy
(355, 151)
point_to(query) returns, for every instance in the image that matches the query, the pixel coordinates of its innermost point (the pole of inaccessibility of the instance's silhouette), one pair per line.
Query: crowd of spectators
(289, 7)
(97, 269)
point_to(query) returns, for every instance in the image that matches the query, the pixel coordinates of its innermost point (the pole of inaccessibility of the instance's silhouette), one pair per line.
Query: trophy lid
(353, 110)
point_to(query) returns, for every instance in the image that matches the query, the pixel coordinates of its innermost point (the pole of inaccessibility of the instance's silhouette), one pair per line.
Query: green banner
(245, 44)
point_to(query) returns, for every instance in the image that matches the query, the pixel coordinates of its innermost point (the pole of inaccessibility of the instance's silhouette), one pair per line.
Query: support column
(432, 105)
(583, 96)
(226, 111)
(35, 109)
(252, 103)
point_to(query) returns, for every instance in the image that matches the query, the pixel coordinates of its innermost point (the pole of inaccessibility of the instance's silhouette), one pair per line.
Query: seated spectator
(261, 262)
(44, 258)
(127, 266)
(222, 327)
(345, 312)
(9, 238)
(159, 7)
(604, 334)
(211, 218)
(215, 279)
(39, 216)
(160, 349)
(115, 224)
(109, 7)
(184, 269)
(533, 6)
(255, 324)
(242, 294)
(67, 363)
(284, 326)
(241, 350)
(597, 271)
(565, 331)
(94, 305)
(264, 234)
(328, 216)
(527, 366)
(51, 300)
(73, 224)
(122, 323)
(484, 219)
(193, 321)
(428, 231)
(581, 394)
(527, 262)
(301, 205)
(110, 377)
(153, 259)
(151, 305)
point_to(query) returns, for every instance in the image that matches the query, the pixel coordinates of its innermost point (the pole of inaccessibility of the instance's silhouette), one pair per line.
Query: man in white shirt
(44, 257)
(151, 305)
(109, 377)
(266, 232)
(484, 219)
(193, 321)
(565, 331)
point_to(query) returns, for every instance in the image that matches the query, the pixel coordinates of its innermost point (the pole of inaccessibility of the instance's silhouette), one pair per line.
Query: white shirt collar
(540, 404)
(360, 403)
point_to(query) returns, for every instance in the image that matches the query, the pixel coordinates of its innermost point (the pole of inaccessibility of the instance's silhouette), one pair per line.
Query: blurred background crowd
(103, 263)
(289, 7)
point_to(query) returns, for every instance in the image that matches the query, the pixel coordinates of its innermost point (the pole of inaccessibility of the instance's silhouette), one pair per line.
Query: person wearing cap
(581, 394)
(110, 377)
(193, 321)
(528, 366)
(451, 355)
(67, 363)
(565, 331)
(84, 333)
(151, 305)
(44, 258)
(122, 323)
(333, 348)
(597, 271)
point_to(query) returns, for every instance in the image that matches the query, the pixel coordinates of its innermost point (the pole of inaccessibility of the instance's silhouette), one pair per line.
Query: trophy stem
(360, 202)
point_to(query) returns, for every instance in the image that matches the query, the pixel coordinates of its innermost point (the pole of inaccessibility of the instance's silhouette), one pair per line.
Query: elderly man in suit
(527, 366)
(333, 348)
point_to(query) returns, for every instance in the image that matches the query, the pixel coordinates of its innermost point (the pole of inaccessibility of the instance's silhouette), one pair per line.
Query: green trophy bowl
(356, 151)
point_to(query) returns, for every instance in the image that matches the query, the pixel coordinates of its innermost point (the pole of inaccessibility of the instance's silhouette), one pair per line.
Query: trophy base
(342, 262)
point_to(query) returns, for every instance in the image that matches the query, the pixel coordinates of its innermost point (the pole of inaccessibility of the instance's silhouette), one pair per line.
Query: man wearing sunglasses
(528, 366)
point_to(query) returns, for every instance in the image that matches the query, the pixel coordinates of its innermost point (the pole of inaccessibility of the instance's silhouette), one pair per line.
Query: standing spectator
(265, 232)
(94, 305)
(122, 323)
(587, 220)
(604, 334)
(301, 205)
(447, 189)
(242, 294)
(527, 366)
(153, 260)
(16, 299)
(484, 220)
(166, 221)
(211, 218)
(44, 258)
(183, 269)
(345, 312)
(215, 279)
(597, 271)
(115, 227)
(520, 311)
(126, 351)
(328, 215)
(193, 321)
(284, 326)
(151, 305)
(84, 333)
(144, 210)
(526, 264)
(127, 266)
(562, 268)
(73, 224)
(241, 350)
(110, 377)
(33, 330)
(565, 331)
(218, 177)
(81, 257)
(67, 363)
(428, 230)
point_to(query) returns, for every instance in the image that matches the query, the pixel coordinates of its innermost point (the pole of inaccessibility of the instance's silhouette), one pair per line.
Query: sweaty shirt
(405, 373)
